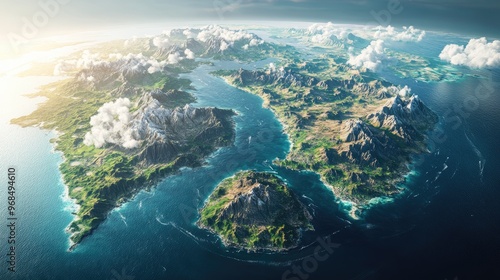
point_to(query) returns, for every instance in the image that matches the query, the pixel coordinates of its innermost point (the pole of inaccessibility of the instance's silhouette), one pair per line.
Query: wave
(482, 160)
(379, 201)
(204, 244)
(308, 198)
(162, 223)
(123, 219)
(202, 82)
(445, 166)
(267, 164)
(151, 194)
(187, 233)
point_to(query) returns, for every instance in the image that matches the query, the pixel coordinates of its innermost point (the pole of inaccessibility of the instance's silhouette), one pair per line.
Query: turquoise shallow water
(444, 226)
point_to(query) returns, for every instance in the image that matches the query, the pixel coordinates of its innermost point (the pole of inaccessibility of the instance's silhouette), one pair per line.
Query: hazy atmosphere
(462, 15)
(239, 139)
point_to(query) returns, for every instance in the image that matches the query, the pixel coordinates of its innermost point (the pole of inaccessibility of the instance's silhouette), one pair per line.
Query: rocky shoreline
(167, 138)
(359, 157)
(255, 211)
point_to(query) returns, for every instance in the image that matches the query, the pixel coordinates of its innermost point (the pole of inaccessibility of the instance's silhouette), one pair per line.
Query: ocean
(445, 225)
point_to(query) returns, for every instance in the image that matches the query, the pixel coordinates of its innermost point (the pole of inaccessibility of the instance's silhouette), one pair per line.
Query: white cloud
(318, 28)
(477, 54)
(406, 91)
(274, 69)
(228, 37)
(156, 66)
(86, 61)
(63, 67)
(115, 56)
(407, 34)
(160, 42)
(327, 33)
(370, 57)
(189, 33)
(174, 58)
(189, 54)
(255, 42)
(223, 33)
(112, 124)
(272, 66)
(126, 63)
(127, 42)
(224, 45)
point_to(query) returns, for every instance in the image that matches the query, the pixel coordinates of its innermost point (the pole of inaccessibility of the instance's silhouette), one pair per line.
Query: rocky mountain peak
(404, 117)
(260, 209)
(355, 130)
(168, 132)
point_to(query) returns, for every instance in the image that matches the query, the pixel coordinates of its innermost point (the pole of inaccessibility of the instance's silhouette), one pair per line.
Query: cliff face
(261, 202)
(366, 146)
(287, 77)
(255, 211)
(407, 119)
(166, 132)
(169, 137)
(356, 131)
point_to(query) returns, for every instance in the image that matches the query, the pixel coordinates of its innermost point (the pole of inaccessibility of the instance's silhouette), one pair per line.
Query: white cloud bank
(407, 34)
(125, 63)
(228, 37)
(330, 33)
(189, 54)
(370, 57)
(477, 54)
(161, 42)
(273, 69)
(112, 124)
(326, 33)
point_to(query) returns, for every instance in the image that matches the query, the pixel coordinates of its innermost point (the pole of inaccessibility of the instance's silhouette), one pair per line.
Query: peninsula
(358, 132)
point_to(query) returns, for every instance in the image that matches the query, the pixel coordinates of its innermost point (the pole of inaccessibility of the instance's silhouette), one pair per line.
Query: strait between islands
(355, 130)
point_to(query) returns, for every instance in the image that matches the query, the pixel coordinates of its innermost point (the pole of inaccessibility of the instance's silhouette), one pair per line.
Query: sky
(475, 18)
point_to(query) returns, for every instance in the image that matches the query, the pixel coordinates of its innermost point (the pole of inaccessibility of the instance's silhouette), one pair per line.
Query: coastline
(244, 237)
(87, 217)
(249, 250)
(27, 104)
(265, 104)
(351, 207)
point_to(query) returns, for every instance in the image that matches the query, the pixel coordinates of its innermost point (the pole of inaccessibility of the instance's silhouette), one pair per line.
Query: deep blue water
(445, 225)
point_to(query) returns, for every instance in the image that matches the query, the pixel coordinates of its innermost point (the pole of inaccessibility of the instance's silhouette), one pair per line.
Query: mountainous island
(253, 210)
(124, 121)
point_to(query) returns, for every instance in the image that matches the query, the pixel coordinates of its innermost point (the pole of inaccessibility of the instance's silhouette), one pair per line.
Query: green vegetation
(99, 179)
(313, 100)
(274, 226)
(317, 96)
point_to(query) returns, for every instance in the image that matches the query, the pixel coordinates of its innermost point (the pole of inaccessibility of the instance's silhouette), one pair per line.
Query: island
(330, 41)
(255, 211)
(124, 119)
(356, 131)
